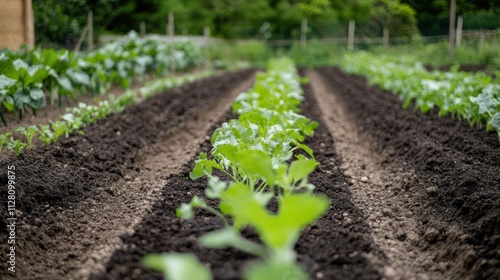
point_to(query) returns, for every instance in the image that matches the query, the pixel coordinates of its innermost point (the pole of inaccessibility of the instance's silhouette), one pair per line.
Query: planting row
(255, 153)
(82, 115)
(474, 97)
(30, 76)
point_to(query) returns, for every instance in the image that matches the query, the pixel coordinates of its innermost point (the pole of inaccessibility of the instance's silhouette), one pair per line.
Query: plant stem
(3, 119)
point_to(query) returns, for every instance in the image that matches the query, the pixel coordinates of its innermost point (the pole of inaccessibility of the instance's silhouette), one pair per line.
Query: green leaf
(6, 82)
(276, 231)
(36, 74)
(203, 167)
(215, 188)
(485, 102)
(257, 163)
(79, 77)
(177, 266)
(65, 84)
(301, 168)
(220, 239)
(306, 149)
(37, 94)
(494, 122)
(185, 211)
(274, 271)
(21, 99)
(7, 67)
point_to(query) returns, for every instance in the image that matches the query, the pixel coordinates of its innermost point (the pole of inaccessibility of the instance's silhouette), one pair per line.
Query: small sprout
(59, 128)
(3, 137)
(28, 133)
(45, 134)
(16, 146)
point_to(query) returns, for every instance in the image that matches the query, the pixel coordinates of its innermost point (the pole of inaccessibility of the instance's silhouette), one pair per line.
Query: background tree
(397, 17)
(433, 16)
(60, 23)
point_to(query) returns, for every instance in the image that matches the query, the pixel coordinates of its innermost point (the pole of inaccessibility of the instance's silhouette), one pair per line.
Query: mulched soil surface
(458, 168)
(58, 176)
(333, 248)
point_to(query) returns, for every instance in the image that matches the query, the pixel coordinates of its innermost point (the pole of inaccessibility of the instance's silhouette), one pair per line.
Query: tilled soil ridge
(456, 193)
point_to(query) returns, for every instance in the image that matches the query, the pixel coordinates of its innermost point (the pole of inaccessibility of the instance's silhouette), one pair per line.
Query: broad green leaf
(36, 94)
(301, 168)
(7, 67)
(65, 84)
(494, 122)
(21, 99)
(220, 239)
(36, 74)
(6, 82)
(178, 266)
(306, 149)
(257, 163)
(485, 102)
(79, 77)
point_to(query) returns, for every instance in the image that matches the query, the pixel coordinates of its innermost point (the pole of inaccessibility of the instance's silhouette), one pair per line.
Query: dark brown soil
(54, 178)
(457, 167)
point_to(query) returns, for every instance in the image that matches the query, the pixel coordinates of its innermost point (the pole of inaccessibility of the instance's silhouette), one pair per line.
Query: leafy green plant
(3, 138)
(28, 133)
(60, 128)
(474, 97)
(16, 146)
(45, 134)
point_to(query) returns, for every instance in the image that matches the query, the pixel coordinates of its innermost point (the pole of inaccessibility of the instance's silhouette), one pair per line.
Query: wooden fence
(16, 24)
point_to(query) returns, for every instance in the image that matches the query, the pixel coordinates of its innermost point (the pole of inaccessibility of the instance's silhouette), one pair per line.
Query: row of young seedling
(82, 115)
(474, 97)
(30, 77)
(262, 155)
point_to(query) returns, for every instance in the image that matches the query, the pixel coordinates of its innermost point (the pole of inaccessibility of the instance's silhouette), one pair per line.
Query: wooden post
(460, 23)
(303, 34)
(386, 37)
(452, 29)
(206, 34)
(80, 40)
(29, 28)
(143, 28)
(171, 39)
(350, 35)
(90, 26)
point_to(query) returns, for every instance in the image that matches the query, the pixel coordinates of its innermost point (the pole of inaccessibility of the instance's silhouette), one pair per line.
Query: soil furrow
(455, 196)
(394, 227)
(92, 188)
(338, 246)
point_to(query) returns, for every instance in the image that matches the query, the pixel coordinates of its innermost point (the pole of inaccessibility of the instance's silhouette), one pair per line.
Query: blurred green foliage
(60, 23)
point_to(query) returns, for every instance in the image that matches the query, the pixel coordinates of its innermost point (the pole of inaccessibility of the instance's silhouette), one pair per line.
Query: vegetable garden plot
(455, 191)
(64, 187)
(455, 195)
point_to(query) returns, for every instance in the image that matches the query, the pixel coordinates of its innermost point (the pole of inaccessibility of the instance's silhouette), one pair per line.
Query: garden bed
(412, 196)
